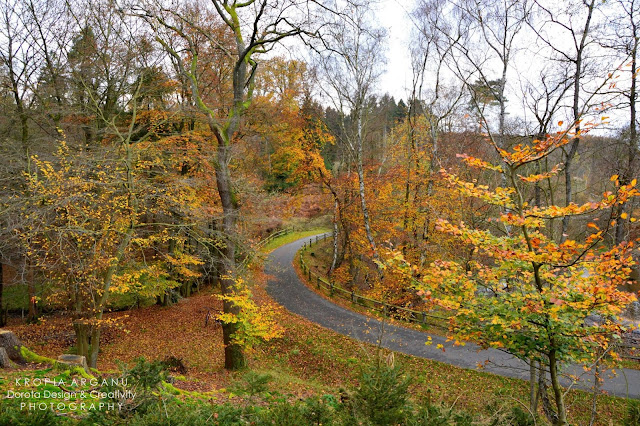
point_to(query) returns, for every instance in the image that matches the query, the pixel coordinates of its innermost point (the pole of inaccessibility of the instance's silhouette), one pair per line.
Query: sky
(397, 78)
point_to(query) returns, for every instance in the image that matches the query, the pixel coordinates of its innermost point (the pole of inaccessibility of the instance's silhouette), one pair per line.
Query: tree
(625, 40)
(186, 35)
(348, 67)
(578, 58)
(432, 97)
(524, 292)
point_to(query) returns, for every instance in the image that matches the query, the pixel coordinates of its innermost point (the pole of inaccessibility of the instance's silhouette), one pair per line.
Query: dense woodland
(148, 147)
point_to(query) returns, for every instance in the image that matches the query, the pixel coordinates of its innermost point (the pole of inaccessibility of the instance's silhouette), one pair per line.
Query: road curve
(285, 287)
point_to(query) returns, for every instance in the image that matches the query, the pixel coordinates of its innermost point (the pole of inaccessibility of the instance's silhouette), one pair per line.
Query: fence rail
(387, 309)
(273, 236)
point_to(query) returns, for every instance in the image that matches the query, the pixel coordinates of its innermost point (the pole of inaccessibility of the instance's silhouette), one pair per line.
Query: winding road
(286, 288)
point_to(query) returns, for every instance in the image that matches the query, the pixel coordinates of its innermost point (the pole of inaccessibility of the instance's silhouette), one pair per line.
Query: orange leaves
(527, 153)
(478, 163)
(522, 290)
(499, 196)
(539, 177)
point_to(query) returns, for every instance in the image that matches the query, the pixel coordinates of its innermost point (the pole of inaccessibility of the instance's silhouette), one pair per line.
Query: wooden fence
(394, 311)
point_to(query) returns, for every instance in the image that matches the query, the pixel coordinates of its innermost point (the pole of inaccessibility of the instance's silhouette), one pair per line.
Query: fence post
(331, 290)
(353, 296)
(318, 281)
(309, 270)
(310, 242)
(316, 239)
(424, 317)
(384, 309)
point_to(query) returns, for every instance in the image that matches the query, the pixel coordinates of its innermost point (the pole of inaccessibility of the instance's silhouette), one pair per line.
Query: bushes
(10, 414)
(633, 414)
(382, 397)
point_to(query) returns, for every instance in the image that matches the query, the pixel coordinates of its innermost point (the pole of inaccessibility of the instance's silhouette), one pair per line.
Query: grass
(291, 237)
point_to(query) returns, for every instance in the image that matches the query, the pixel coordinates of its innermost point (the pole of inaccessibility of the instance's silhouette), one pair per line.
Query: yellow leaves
(254, 323)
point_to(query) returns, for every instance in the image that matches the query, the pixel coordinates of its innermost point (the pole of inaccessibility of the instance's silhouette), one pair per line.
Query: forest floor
(307, 360)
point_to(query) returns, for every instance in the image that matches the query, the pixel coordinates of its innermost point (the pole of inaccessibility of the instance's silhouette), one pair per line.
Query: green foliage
(146, 375)
(382, 396)
(520, 417)
(145, 379)
(173, 414)
(284, 414)
(10, 414)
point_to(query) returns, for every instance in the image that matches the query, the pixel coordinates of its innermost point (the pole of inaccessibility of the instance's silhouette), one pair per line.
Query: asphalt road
(287, 289)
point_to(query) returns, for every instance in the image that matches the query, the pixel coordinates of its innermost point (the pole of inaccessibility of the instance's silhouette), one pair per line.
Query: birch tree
(349, 63)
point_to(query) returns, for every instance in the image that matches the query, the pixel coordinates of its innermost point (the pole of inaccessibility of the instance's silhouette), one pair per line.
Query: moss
(76, 370)
(30, 356)
(82, 373)
(172, 389)
(168, 387)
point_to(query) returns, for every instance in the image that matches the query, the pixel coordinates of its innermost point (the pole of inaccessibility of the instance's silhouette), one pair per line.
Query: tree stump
(12, 345)
(5, 362)
(72, 361)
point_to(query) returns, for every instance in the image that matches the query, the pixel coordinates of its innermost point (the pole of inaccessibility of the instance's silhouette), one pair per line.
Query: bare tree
(576, 22)
(624, 40)
(349, 64)
(484, 38)
(432, 96)
(19, 61)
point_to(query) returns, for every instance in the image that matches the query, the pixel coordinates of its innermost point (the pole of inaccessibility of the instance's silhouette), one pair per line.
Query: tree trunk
(632, 148)
(576, 117)
(336, 212)
(94, 347)
(557, 390)
(233, 353)
(3, 318)
(363, 199)
(568, 191)
(533, 390)
(82, 338)
(32, 316)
